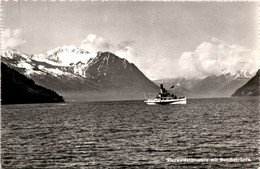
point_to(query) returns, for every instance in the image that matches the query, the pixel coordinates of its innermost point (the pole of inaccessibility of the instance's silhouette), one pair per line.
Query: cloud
(125, 50)
(123, 45)
(94, 44)
(217, 57)
(12, 38)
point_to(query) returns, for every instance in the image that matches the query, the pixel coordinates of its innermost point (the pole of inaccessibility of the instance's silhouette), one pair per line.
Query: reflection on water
(130, 134)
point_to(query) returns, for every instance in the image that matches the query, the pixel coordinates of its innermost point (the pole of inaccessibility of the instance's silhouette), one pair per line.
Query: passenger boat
(165, 98)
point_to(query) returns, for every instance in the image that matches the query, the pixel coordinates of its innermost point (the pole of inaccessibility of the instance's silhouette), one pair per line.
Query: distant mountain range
(18, 89)
(212, 86)
(251, 88)
(80, 76)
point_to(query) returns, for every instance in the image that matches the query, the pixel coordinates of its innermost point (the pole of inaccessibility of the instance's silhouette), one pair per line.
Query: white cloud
(12, 38)
(217, 57)
(209, 58)
(94, 44)
(125, 50)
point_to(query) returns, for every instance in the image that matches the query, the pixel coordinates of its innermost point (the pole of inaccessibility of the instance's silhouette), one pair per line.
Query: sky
(164, 39)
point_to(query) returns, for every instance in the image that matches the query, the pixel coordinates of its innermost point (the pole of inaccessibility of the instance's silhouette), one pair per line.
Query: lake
(214, 133)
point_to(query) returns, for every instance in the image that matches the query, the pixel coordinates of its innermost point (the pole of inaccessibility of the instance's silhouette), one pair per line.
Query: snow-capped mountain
(65, 56)
(67, 61)
(79, 75)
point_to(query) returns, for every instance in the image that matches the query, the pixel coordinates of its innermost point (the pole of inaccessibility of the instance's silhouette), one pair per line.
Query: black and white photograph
(130, 84)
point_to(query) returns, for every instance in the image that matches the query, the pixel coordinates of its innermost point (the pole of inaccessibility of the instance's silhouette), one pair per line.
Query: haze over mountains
(81, 76)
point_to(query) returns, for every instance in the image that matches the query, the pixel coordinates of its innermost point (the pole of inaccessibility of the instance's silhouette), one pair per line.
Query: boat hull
(163, 102)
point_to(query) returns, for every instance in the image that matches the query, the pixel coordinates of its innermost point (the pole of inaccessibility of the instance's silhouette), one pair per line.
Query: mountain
(251, 88)
(81, 76)
(218, 86)
(18, 89)
(67, 61)
(212, 86)
(115, 79)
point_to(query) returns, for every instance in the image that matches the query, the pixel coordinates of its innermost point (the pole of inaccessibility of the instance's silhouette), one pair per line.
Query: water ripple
(130, 134)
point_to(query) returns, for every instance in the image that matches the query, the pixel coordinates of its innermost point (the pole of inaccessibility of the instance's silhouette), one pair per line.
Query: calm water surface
(131, 134)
